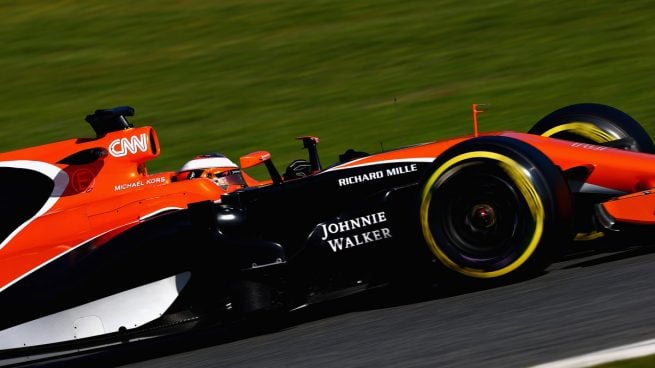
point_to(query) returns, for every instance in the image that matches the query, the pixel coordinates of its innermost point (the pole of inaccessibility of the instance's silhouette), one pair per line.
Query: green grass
(236, 76)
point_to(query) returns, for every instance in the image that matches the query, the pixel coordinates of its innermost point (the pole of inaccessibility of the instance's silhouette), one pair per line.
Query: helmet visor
(229, 177)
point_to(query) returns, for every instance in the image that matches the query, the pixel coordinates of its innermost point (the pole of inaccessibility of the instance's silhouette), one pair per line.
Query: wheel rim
(479, 221)
(482, 235)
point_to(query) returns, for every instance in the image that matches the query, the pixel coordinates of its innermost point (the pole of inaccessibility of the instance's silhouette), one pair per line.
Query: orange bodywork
(94, 199)
(614, 172)
(91, 200)
(611, 168)
(637, 208)
(617, 170)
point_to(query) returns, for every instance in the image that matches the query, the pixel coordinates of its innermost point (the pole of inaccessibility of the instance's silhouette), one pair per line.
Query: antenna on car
(104, 121)
(474, 107)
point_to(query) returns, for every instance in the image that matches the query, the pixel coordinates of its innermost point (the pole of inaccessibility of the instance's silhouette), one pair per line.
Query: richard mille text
(375, 175)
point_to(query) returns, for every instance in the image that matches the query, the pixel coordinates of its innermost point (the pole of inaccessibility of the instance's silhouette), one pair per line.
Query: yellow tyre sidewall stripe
(522, 181)
(595, 134)
(587, 130)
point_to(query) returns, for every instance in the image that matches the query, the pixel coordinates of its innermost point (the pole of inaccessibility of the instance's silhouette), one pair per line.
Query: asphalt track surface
(590, 302)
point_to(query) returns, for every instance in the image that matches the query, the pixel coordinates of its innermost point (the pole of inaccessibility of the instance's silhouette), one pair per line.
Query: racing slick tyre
(597, 124)
(494, 208)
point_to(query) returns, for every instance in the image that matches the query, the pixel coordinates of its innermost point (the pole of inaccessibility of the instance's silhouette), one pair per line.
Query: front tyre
(596, 124)
(493, 207)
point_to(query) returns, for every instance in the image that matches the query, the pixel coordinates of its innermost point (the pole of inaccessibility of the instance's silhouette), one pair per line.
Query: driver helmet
(214, 166)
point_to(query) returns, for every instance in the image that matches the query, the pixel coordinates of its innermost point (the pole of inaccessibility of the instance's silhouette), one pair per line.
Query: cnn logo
(123, 146)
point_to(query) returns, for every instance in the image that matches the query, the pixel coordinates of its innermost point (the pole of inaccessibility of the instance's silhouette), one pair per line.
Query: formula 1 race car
(92, 244)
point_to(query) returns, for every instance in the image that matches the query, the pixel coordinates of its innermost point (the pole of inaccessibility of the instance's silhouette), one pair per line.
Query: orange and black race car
(92, 244)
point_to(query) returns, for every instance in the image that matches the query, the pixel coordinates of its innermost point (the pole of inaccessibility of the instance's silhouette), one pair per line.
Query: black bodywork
(272, 247)
(311, 239)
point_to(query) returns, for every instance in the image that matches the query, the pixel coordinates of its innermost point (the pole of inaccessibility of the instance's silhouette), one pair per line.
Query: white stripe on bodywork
(580, 187)
(349, 164)
(157, 212)
(128, 309)
(59, 177)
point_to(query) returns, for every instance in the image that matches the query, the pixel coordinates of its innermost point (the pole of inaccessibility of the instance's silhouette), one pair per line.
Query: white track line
(624, 352)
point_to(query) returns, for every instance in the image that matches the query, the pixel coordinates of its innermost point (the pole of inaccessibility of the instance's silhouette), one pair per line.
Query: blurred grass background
(236, 76)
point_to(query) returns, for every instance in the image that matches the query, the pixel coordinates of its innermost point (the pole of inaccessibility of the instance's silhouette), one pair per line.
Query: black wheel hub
(478, 216)
(482, 217)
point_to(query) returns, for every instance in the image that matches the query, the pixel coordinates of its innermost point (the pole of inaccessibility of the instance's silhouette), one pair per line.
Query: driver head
(216, 167)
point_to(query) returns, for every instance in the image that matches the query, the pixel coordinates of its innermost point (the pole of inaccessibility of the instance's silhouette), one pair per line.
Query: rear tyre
(494, 208)
(596, 124)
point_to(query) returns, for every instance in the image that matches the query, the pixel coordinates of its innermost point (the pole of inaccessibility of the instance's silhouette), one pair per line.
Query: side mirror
(257, 158)
(254, 158)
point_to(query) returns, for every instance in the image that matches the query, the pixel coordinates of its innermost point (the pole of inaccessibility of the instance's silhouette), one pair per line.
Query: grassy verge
(235, 76)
